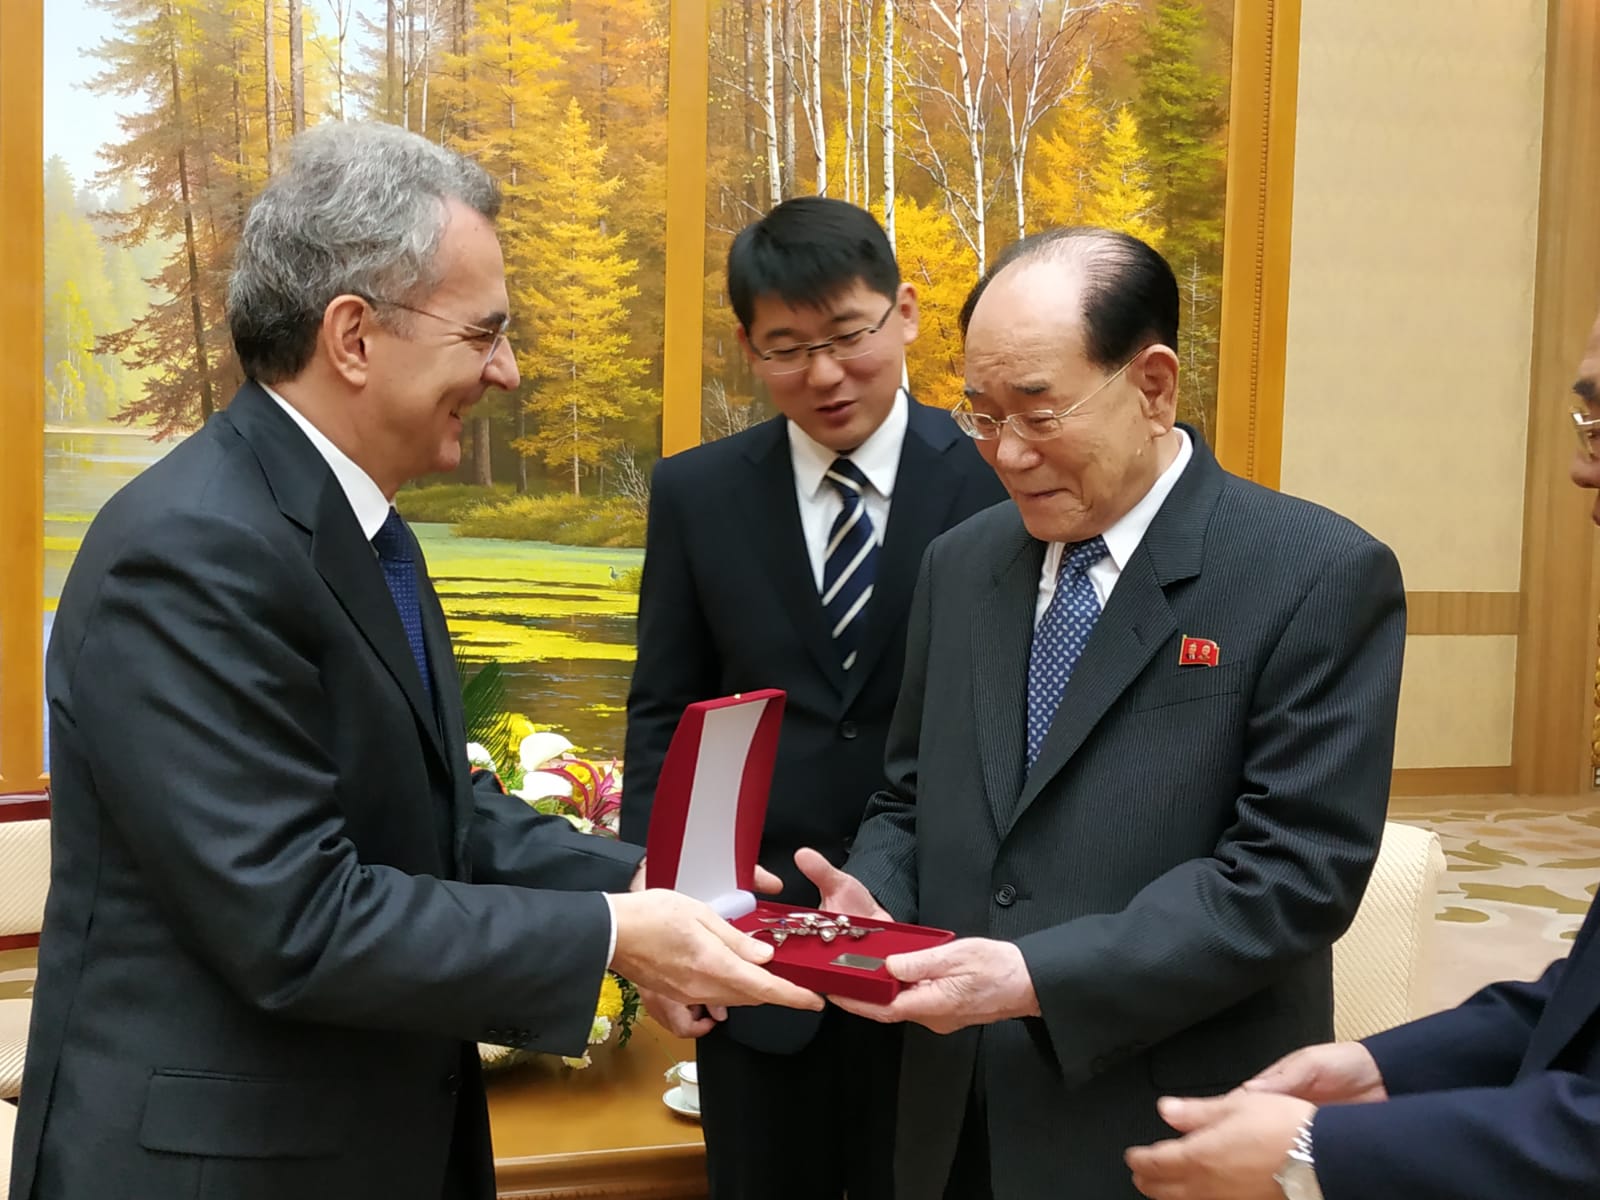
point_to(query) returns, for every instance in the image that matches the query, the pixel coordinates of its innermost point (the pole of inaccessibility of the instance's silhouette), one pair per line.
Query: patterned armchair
(8, 1124)
(1380, 965)
(24, 879)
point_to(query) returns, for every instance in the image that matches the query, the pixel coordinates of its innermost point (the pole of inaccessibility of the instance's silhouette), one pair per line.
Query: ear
(744, 343)
(347, 323)
(1155, 374)
(910, 316)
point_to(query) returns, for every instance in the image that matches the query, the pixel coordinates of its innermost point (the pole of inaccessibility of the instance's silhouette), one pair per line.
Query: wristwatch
(1298, 1174)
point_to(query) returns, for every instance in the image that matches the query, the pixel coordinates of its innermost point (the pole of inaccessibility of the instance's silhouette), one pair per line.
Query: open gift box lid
(705, 839)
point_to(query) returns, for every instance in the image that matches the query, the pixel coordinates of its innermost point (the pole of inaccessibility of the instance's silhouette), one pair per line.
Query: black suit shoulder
(703, 468)
(1256, 530)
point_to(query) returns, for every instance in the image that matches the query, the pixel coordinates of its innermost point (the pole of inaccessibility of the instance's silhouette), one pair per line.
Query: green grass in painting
(447, 501)
(568, 520)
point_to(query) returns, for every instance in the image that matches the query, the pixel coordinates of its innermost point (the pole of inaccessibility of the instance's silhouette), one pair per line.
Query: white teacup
(687, 1077)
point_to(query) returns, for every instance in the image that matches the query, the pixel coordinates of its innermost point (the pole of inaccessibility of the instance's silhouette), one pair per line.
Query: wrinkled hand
(970, 981)
(1233, 1145)
(676, 946)
(1332, 1073)
(683, 1020)
(841, 893)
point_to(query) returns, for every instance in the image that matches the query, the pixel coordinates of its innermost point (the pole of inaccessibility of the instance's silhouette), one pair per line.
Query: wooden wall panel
(1555, 677)
(21, 394)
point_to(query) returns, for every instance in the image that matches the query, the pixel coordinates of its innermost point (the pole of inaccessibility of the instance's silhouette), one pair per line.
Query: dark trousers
(814, 1125)
(969, 1174)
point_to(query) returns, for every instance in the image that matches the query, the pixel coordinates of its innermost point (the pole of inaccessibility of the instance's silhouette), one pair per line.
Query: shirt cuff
(611, 943)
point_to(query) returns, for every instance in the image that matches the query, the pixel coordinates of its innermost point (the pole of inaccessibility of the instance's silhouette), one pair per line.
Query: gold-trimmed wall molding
(22, 394)
(1555, 684)
(1257, 233)
(1445, 613)
(688, 115)
(1452, 781)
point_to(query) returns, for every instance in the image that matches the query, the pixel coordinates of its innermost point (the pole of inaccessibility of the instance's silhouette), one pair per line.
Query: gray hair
(356, 209)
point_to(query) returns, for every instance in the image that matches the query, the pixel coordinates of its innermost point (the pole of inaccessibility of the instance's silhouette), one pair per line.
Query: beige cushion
(24, 875)
(13, 1045)
(8, 1125)
(1380, 964)
(7, 1130)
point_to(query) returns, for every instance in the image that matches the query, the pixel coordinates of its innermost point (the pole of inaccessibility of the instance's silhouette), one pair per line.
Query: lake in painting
(552, 616)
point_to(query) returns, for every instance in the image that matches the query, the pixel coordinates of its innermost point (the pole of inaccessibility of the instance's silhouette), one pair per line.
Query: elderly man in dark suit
(1141, 758)
(1496, 1098)
(784, 557)
(280, 913)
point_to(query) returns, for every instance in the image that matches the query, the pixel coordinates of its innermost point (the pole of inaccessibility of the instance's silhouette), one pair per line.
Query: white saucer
(673, 1099)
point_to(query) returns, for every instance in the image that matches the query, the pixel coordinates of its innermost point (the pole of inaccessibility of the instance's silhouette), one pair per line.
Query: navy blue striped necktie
(393, 544)
(851, 561)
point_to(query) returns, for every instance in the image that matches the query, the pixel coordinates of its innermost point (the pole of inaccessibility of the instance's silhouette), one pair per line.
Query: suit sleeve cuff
(611, 944)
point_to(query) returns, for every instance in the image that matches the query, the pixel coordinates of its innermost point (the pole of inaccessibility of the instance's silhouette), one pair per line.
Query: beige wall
(1416, 204)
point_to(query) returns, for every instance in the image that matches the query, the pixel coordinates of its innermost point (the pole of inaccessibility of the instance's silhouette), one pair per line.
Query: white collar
(367, 500)
(878, 457)
(1123, 538)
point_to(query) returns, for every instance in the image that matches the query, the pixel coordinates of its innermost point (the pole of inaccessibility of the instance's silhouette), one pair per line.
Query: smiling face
(838, 402)
(1025, 352)
(427, 369)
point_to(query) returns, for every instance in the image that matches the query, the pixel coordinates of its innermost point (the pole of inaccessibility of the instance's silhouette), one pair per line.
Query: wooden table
(598, 1134)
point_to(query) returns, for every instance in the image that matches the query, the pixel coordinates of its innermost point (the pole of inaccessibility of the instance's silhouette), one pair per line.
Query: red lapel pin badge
(1198, 652)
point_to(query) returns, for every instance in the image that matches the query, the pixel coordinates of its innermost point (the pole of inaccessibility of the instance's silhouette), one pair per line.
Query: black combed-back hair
(1130, 297)
(805, 252)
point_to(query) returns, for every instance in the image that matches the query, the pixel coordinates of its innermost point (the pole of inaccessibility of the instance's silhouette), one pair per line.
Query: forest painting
(962, 123)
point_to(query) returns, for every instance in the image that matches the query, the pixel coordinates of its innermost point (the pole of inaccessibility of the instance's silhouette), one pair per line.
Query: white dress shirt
(366, 498)
(878, 458)
(1122, 539)
(371, 508)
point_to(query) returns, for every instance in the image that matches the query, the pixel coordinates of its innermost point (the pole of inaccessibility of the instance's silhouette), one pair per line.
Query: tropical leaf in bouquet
(483, 695)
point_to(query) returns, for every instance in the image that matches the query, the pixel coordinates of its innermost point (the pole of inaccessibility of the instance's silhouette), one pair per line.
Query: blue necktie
(851, 561)
(1060, 638)
(393, 544)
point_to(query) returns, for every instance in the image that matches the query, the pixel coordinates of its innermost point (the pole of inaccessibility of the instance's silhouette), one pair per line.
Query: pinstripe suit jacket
(1191, 841)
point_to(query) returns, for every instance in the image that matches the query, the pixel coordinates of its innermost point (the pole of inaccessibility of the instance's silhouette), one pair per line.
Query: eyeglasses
(1588, 430)
(1038, 426)
(787, 360)
(475, 333)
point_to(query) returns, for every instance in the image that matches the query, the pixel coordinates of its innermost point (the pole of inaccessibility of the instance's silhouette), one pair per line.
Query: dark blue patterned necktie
(393, 544)
(1060, 638)
(850, 562)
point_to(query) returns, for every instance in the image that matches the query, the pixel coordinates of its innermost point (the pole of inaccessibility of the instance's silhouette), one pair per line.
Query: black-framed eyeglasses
(787, 360)
(1038, 426)
(474, 333)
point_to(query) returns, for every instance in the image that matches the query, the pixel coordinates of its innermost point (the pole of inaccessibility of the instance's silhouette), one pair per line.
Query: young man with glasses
(1142, 759)
(784, 557)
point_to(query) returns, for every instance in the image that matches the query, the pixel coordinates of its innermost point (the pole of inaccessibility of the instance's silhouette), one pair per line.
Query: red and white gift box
(705, 836)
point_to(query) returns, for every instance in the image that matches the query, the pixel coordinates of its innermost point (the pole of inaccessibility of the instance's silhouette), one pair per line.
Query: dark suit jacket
(261, 958)
(1189, 844)
(729, 604)
(1497, 1098)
